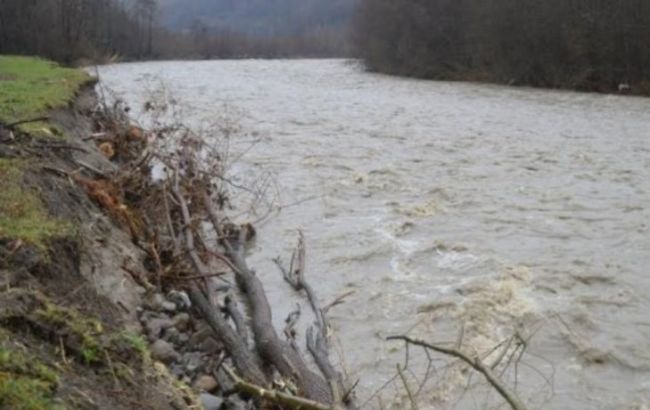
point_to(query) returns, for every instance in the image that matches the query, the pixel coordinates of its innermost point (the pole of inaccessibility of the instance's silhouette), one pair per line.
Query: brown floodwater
(446, 208)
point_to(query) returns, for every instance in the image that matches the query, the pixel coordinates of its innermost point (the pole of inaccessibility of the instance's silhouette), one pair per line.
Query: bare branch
(510, 396)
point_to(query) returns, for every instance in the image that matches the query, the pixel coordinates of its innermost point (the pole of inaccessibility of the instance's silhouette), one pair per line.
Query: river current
(449, 211)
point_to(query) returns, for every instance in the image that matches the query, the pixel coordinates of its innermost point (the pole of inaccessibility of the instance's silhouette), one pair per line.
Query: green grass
(25, 383)
(22, 213)
(85, 329)
(30, 87)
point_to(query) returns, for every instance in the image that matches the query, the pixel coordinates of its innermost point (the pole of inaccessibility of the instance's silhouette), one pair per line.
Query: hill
(259, 17)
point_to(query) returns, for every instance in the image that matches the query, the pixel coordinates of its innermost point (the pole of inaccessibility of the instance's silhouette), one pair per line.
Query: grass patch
(30, 87)
(137, 343)
(22, 214)
(86, 331)
(25, 383)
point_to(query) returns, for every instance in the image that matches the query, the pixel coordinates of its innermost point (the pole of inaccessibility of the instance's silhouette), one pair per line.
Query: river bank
(69, 330)
(81, 326)
(115, 294)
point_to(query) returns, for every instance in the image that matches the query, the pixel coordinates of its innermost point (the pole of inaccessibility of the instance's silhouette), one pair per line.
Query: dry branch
(292, 402)
(510, 396)
(318, 342)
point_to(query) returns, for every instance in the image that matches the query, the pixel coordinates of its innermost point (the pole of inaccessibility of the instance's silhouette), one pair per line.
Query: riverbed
(447, 211)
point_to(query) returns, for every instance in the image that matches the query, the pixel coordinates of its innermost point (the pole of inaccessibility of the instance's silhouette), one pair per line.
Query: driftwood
(318, 341)
(244, 360)
(287, 400)
(189, 202)
(271, 348)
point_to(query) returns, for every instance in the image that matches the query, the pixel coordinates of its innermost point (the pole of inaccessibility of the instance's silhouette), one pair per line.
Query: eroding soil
(69, 334)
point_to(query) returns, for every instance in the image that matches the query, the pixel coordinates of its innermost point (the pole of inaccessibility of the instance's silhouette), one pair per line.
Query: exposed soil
(70, 304)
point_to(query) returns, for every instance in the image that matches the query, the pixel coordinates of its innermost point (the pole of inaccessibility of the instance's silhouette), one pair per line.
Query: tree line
(594, 45)
(67, 30)
(73, 31)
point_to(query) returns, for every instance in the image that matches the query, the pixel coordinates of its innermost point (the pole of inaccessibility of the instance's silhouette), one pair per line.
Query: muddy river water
(447, 208)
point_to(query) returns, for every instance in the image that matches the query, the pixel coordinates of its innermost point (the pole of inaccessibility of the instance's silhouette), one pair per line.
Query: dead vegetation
(182, 223)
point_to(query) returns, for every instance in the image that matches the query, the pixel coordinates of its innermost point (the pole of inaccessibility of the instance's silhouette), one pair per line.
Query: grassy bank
(31, 87)
(68, 336)
(22, 214)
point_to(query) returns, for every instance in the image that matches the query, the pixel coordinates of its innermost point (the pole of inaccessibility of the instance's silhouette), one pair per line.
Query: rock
(183, 338)
(235, 403)
(159, 303)
(181, 321)
(169, 306)
(174, 336)
(210, 346)
(193, 362)
(164, 351)
(205, 383)
(180, 298)
(155, 326)
(177, 370)
(210, 402)
(198, 337)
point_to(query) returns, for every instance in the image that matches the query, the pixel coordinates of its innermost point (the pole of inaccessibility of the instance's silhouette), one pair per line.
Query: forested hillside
(583, 44)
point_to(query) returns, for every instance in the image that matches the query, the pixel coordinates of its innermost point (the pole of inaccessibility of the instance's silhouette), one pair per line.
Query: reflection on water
(444, 204)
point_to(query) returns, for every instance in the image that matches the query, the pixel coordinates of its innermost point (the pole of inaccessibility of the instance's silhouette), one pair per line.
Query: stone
(205, 383)
(180, 298)
(171, 335)
(183, 338)
(193, 362)
(198, 337)
(155, 326)
(177, 370)
(159, 303)
(210, 346)
(164, 351)
(235, 403)
(181, 321)
(210, 401)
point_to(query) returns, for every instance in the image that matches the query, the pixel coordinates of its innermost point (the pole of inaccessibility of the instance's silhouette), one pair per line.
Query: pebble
(235, 403)
(158, 302)
(156, 326)
(164, 351)
(193, 361)
(180, 298)
(198, 337)
(181, 321)
(210, 346)
(177, 370)
(205, 383)
(211, 402)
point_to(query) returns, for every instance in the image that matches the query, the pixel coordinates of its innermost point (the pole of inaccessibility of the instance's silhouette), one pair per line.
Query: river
(446, 208)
